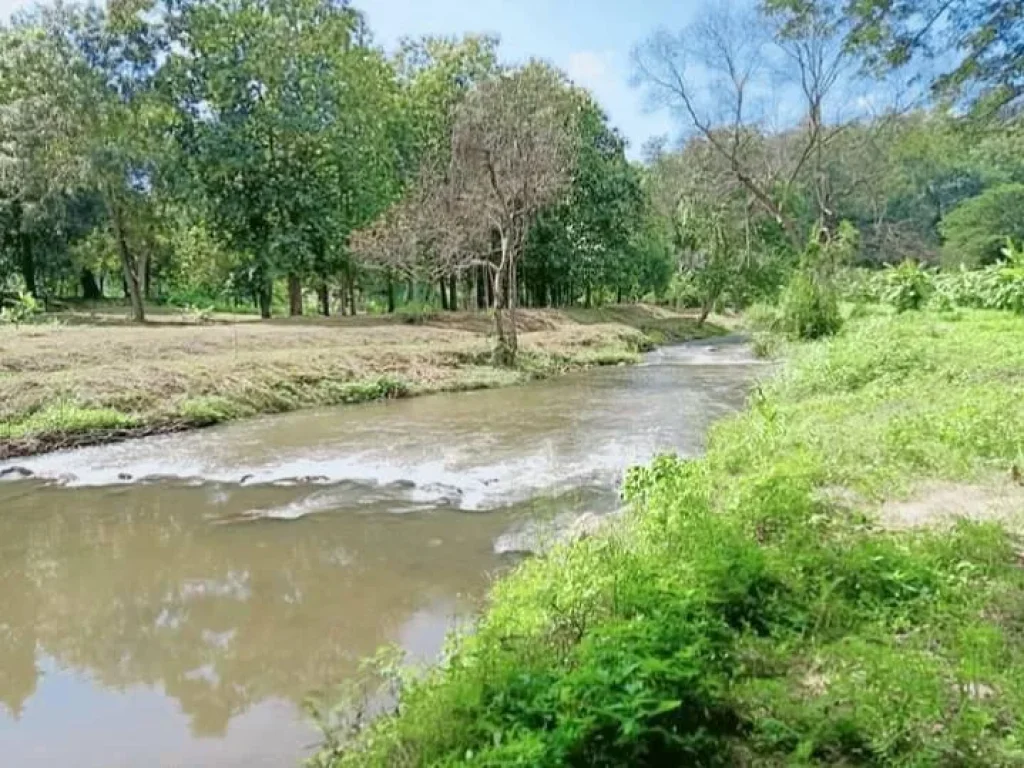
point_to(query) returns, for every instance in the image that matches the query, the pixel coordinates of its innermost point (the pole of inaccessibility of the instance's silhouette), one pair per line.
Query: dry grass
(78, 382)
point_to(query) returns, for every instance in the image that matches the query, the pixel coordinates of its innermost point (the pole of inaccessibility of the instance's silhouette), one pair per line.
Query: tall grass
(749, 611)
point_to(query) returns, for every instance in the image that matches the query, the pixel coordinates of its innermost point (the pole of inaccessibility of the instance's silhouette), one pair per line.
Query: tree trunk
(506, 344)
(705, 310)
(90, 290)
(294, 295)
(265, 297)
(453, 293)
(323, 294)
(481, 288)
(444, 294)
(28, 264)
(391, 295)
(352, 294)
(134, 268)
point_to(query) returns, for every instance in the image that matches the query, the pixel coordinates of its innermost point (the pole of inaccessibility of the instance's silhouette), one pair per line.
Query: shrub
(22, 309)
(907, 286)
(995, 286)
(809, 308)
(416, 312)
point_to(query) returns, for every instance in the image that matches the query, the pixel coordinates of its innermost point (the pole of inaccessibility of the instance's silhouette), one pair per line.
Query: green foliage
(417, 312)
(808, 308)
(976, 231)
(22, 309)
(907, 286)
(66, 418)
(746, 613)
(987, 69)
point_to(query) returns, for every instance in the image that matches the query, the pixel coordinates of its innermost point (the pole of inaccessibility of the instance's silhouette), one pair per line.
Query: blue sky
(591, 40)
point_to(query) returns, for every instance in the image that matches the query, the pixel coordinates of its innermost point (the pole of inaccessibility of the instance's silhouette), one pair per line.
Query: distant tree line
(269, 154)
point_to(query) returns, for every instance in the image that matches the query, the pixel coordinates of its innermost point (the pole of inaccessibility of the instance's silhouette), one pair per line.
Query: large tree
(288, 119)
(978, 45)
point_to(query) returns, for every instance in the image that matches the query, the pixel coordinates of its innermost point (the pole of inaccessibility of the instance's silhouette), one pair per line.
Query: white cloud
(589, 68)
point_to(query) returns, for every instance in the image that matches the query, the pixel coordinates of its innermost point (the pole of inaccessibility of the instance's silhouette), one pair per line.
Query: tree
(39, 160)
(512, 152)
(720, 75)
(976, 231)
(584, 243)
(513, 149)
(289, 123)
(90, 75)
(985, 38)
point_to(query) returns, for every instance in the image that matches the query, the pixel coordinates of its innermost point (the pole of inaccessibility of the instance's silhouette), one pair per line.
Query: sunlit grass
(750, 610)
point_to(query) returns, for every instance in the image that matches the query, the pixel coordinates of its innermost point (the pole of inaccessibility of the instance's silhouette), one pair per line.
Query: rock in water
(15, 472)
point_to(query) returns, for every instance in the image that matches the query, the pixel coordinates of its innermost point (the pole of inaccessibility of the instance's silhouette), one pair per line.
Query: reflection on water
(181, 622)
(144, 587)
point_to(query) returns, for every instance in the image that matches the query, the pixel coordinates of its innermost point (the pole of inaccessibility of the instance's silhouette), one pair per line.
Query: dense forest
(265, 155)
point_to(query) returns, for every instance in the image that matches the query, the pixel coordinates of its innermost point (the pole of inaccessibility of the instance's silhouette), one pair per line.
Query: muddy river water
(172, 601)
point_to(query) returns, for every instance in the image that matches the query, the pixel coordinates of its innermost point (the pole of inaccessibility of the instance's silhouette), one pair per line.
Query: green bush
(995, 286)
(808, 308)
(22, 309)
(417, 312)
(907, 287)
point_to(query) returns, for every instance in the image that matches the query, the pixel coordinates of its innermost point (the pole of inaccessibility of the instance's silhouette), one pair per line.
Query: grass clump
(808, 308)
(66, 417)
(738, 616)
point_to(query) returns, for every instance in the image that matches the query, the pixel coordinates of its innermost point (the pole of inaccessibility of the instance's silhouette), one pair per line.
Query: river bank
(838, 581)
(192, 591)
(94, 379)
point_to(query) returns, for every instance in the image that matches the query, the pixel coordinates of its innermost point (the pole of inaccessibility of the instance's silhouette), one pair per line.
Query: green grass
(738, 617)
(65, 417)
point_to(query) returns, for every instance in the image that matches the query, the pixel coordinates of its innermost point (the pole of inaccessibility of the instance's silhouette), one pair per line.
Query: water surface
(172, 601)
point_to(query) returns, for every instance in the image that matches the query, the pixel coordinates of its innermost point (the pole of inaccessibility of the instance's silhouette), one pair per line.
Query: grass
(92, 377)
(752, 609)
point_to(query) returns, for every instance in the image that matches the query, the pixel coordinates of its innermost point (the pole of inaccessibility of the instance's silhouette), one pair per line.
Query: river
(171, 601)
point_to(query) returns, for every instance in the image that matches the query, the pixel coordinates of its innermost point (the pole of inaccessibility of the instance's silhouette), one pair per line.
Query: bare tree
(513, 150)
(429, 235)
(722, 75)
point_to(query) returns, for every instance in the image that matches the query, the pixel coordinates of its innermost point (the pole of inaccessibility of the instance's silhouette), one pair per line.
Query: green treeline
(225, 153)
(269, 156)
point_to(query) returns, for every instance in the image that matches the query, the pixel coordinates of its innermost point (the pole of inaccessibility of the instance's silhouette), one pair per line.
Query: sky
(590, 40)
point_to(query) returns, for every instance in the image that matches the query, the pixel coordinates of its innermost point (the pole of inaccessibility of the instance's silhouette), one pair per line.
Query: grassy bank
(93, 378)
(802, 595)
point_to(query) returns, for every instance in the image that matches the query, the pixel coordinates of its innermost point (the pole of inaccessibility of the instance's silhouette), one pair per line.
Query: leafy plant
(22, 309)
(417, 312)
(808, 308)
(907, 286)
